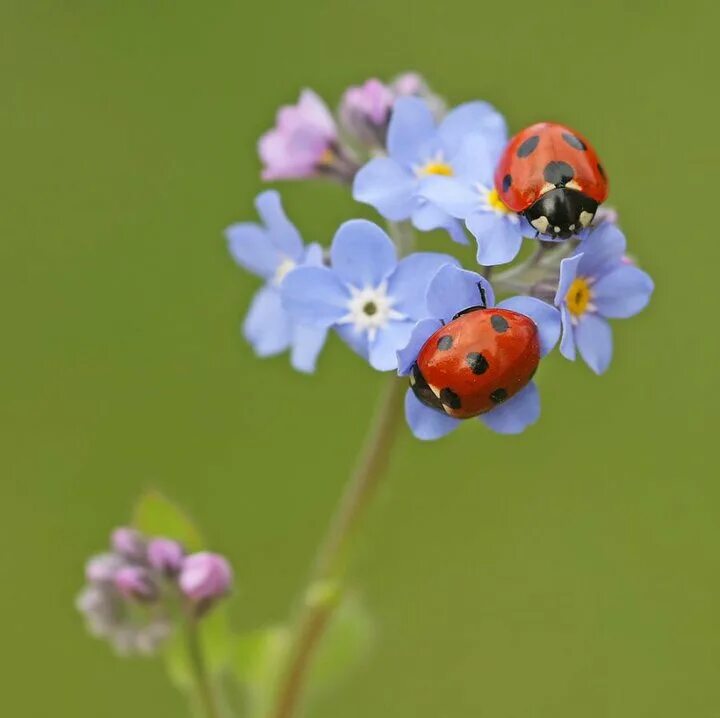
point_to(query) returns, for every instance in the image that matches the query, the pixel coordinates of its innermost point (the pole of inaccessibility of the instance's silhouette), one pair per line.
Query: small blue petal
(567, 343)
(362, 254)
(516, 414)
(594, 342)
(568, 272)
(426, 216)
(385, 185)
(456, 231)
(545, 316)
(385, 345)
(409, 283)
(453, 289)
(251, 248)
(498, 239)
(473, 117)
(356, 339)
(283, 232)
(313, 255)
(306, 345)
(426, 423)
(267, 326)
(412, 128)
(422, 331)
(450, 194)
(314, 296)
(623, 292)
(603, 250)
(475, 161)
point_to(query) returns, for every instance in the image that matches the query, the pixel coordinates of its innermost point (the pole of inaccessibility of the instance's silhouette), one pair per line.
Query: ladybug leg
(483, 297)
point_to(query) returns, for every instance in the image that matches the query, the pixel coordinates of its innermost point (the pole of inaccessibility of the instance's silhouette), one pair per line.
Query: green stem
(321, 594)
(205, 694)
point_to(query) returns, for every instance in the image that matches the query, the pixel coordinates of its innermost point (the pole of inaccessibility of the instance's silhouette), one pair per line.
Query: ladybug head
(561, 212)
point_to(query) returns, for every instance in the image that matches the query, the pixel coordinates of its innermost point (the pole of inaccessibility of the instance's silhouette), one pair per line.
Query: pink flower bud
(165, 555)
(205, 576)
(129, 543)
(134, 582)
(103, 567)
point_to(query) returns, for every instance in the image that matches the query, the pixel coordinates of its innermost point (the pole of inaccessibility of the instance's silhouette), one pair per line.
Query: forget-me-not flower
(451, 291)
(271, 250)
(370, 298)
(418, 150)
(595, 285)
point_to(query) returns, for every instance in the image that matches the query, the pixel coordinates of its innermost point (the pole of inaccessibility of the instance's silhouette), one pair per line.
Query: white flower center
(370, 309)
(283, 268)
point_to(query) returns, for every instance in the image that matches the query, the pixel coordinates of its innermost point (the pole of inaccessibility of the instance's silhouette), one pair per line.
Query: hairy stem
(320, 596)
(205, 695)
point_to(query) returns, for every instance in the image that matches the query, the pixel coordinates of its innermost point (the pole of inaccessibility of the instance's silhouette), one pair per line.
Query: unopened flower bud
(165, 555)
(412, 84)
(134, 582)
(103, 567)
(129, 543)
(365, 112)
(205, 576)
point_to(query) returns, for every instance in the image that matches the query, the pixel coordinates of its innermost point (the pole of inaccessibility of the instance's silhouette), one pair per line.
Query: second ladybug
(552, 175)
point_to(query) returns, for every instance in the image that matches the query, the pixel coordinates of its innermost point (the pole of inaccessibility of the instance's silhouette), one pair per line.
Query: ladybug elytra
(481, 358)
(551, 175)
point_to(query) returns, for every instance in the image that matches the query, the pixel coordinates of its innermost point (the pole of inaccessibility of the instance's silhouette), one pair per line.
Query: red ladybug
(552, 175)
(475, 362)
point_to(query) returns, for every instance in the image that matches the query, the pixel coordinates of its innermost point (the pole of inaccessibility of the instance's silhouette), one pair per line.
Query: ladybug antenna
(482, 295)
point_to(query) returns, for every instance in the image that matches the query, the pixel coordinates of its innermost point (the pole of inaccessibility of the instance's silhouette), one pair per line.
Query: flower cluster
(423, 167)
(133, 589)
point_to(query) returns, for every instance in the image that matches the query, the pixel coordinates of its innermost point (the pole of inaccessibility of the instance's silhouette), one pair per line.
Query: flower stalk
(205, 696)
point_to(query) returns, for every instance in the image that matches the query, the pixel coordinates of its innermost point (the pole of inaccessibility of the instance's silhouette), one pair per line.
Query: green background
(573, 571)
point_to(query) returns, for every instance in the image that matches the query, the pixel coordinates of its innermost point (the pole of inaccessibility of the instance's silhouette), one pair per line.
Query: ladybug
(476, 361)
(552, 175)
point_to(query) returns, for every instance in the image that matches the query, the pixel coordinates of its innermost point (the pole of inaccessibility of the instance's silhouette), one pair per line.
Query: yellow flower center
(435, 167)
(578, 296)
(493, 199)
(327, 157)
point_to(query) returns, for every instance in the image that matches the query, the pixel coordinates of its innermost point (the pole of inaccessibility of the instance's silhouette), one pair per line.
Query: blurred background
(572, 571)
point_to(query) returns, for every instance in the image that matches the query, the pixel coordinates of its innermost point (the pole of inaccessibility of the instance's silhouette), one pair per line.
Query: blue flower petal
(568, 272)
(473, 117)
(267, 325)
(567, 343)
(356, 339)
(251, 248)
(385, 185)
(498, 239)
(306, 345)
(412, 128)
(453, 289)
(545, 316)
(362, 254)
(594, 342)
(408, 284)
(407, 355)
(283, 232)
(424, 422)
(456, 230)
(314, 296)
(516, 414)
(603, 250)
(450, 194)
(385, 345)
(623, 292)
(313, 255)
(426, 216)
(475, 161)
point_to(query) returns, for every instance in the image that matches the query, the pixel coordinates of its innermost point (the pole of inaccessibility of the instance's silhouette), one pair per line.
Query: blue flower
(597, 284)
(470, 194)
(369, 297)
(419, 151)
(272, 251)
(449, 292)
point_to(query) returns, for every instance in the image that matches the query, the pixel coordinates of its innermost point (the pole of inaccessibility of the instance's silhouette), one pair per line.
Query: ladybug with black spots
(480, 359)
(552, 175)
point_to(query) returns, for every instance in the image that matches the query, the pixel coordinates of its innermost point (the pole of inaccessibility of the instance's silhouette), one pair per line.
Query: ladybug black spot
(499, 324)
(499, 395)
(477, 362)
(558, 173)
(601, 171)
(450, 398)
(528, 147)
(445, 343)
(507, 182)
(574, 142)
